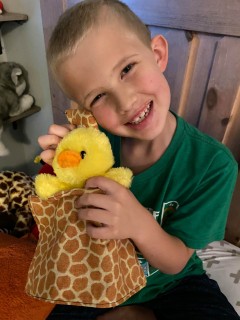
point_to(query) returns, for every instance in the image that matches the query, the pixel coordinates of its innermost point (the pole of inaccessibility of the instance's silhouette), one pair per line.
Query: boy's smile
(116, 76)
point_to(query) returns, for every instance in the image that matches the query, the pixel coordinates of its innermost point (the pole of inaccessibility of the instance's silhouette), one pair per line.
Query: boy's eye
(99, 96)
(126, 70)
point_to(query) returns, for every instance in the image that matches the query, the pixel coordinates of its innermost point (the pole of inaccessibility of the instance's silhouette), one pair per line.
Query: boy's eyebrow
(125, 59)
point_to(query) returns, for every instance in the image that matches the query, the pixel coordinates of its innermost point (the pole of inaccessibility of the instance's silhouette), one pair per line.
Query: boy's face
(119, 79)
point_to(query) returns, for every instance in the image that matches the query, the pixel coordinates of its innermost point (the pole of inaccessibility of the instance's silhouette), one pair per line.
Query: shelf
(9, 16)
(25, 114)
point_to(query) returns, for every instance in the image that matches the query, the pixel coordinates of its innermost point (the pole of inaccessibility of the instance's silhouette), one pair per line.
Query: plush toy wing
(121, 175)
(47, 185)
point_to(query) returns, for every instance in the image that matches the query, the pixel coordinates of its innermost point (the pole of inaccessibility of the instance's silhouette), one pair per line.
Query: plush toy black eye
(83, 154)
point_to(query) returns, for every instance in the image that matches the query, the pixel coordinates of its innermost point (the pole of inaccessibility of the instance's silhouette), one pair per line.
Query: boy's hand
(117, 210)
(50, 141)
(122, 217)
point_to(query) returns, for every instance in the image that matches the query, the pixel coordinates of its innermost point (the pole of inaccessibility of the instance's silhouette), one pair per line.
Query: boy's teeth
(142, 115)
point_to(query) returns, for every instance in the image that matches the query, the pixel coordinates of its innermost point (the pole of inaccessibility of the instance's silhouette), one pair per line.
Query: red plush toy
(1, 7)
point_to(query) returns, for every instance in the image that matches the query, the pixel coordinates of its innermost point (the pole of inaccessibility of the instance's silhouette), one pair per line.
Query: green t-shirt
(188, 191)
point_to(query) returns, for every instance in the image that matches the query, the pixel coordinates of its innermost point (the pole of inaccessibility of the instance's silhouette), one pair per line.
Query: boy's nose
(125, 100)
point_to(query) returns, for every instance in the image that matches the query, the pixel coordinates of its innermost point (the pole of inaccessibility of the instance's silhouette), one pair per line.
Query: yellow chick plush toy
(81, 154)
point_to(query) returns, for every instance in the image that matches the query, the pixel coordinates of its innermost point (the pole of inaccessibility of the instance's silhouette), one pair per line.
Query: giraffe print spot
(86, 296)
(119, 297)
(50, 265)
(71, 246)
(106, 264)
(53, 292)
(84, 238)
(77, 119)
(131, 262)
(59, 213)
(73, 218)
(44, 221)
(91, 120)
(124, 268)
(38, 259)
(111, 246)
(80, 255)
(36, 272)
(129, 247)
(63, 263)
(44, 237)
(97, 290)
(135, 273)
(42, 270)
(37, 208)
(49, 211)
(68, 295)
(108, 278)
(51, 278)
(48, 230)
(81, 226)
(61, 224)
(54, 252)
(44, 248)
(96, 276)
(129, 282)
(40, 288)
(96, 248)
(78, 270)
(80, 284)
(93, 261)
(63, 282)
(84, 122)
(111, 293)
(67, 206)
(123, 253)
(72, 232)
(116, 271)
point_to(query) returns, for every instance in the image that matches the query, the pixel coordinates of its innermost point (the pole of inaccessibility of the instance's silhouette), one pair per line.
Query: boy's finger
(107, 185)
(48, 141)
(47, 156)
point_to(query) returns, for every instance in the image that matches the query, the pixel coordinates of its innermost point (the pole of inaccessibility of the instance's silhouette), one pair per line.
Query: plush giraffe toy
(69, 267)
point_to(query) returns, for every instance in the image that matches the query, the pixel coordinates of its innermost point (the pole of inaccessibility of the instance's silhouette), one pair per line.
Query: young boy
(103, 58)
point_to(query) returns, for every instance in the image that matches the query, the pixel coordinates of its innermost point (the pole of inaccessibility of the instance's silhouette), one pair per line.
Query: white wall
(25, 44)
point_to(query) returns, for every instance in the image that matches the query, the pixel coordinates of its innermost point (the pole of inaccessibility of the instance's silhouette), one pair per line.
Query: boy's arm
(163, 251)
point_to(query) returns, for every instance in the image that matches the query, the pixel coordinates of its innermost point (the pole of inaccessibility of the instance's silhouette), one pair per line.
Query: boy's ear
(160, 50)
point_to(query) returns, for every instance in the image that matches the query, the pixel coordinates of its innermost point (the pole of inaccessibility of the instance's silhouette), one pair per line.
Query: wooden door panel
(205, 45)
(178, 61)
(210, 16)
(223, 85)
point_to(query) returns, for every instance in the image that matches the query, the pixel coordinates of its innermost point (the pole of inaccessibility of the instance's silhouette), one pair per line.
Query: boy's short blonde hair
(75, 22)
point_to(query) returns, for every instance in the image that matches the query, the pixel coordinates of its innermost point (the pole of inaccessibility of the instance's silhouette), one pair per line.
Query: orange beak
(68, 159)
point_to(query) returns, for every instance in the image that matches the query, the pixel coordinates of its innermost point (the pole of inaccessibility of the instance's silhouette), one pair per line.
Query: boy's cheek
(105, 117)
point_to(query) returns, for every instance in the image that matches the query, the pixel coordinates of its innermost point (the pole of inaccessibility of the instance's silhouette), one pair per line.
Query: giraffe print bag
(69, 267)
